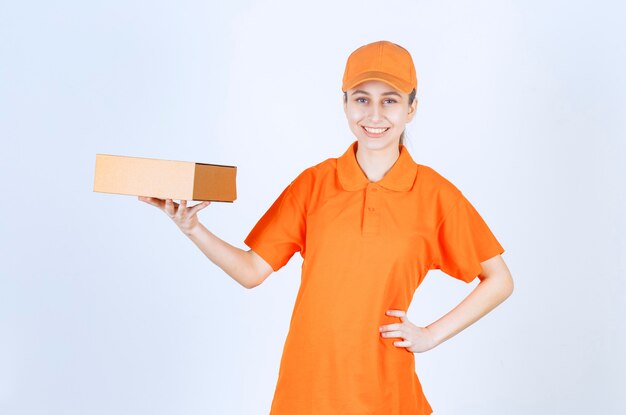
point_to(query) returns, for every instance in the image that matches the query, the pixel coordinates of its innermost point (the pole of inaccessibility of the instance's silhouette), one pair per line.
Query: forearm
(485, 297)
(234, 261)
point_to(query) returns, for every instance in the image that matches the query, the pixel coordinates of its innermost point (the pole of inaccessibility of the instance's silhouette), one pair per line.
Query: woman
(369, 224)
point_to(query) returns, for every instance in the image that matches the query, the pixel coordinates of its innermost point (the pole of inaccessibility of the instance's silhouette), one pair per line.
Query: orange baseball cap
(384, 61)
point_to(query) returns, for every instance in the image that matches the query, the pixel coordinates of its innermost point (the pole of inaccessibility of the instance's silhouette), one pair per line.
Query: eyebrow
(360, 91)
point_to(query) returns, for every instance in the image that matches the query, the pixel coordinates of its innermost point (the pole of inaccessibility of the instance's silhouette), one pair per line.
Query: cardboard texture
(164, 179)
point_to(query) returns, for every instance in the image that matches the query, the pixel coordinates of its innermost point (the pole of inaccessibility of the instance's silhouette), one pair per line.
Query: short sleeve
(462, 241)
(281, 230)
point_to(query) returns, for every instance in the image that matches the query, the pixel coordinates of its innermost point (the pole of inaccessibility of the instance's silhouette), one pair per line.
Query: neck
(376, 163)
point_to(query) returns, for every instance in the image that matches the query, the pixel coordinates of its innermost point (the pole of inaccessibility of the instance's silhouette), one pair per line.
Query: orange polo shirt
(366, 246)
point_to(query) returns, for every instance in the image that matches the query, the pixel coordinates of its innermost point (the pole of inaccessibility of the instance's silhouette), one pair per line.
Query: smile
(374, 131)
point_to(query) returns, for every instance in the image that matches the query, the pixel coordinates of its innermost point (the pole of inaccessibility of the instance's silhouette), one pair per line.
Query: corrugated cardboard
(165, 179)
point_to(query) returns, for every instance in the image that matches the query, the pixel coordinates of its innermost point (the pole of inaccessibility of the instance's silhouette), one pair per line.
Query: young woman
(369, 224)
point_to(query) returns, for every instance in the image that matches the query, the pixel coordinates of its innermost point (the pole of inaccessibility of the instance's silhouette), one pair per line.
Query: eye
(362, 100)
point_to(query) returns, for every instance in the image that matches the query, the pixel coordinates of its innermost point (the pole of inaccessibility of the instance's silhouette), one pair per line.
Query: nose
(376, 113)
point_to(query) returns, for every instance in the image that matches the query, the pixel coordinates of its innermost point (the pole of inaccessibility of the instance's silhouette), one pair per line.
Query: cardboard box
(165, 179)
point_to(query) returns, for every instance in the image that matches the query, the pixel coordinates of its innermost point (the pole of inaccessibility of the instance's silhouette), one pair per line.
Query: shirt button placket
(371, 214)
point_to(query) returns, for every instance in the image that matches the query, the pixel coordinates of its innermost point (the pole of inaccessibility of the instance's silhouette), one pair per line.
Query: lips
(375, 130)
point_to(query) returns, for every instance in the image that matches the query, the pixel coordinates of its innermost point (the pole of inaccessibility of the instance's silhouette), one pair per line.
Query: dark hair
(411, 99)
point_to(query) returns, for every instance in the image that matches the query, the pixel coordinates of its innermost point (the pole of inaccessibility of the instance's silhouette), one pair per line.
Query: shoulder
(431, 179)
(313, 176)
(437, 189)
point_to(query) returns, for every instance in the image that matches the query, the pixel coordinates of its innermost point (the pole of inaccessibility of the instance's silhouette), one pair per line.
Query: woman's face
(378, 106)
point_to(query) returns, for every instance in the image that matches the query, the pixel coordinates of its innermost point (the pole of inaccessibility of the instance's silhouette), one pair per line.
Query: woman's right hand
(185, 217)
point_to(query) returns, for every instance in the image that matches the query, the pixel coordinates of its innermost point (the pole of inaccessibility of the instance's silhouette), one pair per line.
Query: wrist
(193, 231)
(435, 338)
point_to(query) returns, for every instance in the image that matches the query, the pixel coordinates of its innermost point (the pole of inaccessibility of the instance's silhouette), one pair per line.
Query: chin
(378, 143)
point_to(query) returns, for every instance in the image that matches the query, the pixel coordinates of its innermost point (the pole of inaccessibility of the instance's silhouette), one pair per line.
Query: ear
(412, 110)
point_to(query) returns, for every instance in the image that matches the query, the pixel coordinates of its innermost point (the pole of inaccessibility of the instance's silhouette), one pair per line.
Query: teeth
(375, 130)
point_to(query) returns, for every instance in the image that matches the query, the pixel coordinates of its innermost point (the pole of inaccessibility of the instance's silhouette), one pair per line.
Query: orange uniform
(366, 246)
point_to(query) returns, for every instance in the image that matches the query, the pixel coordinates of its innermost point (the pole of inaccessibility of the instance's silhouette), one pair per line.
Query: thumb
(199, 207)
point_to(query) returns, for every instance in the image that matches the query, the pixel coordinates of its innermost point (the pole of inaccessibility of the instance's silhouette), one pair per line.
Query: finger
(395, 333)
(170, 208)
(195, 209)
(152, 201)
(398, 313)
(160, 203)
(182, 209)
(176, 207)
(390, 327)
(405, 343)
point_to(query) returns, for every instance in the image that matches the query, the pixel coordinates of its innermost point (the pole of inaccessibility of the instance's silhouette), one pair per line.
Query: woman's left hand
(415, 339)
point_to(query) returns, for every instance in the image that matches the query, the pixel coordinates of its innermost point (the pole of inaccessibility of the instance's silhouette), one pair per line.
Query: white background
(107, 308)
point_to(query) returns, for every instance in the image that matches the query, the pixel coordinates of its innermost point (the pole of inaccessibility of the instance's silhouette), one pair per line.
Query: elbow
(509, 286)
(248, 281)
(257, 270)
(498, 274)
(251, 280)
(257, 278)
(251, 285)
(502, 283)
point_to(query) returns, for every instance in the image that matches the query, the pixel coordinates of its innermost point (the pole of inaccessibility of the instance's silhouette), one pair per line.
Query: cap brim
(395, 82)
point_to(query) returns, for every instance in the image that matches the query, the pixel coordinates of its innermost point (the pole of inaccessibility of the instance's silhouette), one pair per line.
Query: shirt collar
(400, 177)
